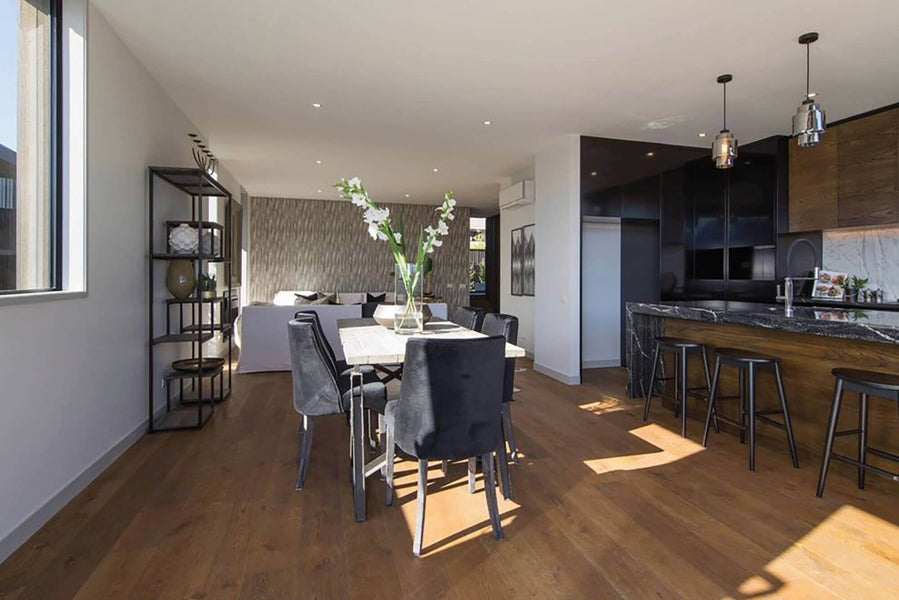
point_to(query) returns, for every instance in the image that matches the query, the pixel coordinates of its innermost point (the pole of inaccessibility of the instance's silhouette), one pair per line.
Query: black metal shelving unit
(196, 395)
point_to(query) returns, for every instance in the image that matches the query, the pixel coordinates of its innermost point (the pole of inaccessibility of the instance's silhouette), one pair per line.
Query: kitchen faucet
(789, 279)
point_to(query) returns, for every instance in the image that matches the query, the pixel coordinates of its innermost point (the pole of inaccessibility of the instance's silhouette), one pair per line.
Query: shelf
(184, 418)
(194, 182)
(175, 375)
(193, 300)
(195, 224)
(190, 397)
(174, 256)
(208, 327)
(175, 338)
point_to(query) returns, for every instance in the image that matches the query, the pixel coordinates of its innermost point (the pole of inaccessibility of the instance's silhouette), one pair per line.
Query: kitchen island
(809, 343)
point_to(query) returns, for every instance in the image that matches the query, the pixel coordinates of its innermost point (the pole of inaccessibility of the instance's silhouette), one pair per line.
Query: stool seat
(673, 342)
(886, 382)
(744, 356)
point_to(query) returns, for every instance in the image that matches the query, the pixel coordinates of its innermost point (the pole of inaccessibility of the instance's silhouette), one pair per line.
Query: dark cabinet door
(675, 229)
(707, 188)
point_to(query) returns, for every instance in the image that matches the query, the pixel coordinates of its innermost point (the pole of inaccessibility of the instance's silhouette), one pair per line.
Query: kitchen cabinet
(850, 179)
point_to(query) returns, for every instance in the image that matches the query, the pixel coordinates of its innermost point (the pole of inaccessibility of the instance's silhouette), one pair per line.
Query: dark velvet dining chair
(468, 317)
(506, 326)
(317, 388)
(448, 409)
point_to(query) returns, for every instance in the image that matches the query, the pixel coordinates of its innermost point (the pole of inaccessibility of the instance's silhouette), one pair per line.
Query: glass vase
(408, 285)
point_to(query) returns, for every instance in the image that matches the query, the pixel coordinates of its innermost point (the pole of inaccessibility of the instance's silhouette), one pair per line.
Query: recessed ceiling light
(435, 169)
(592, 173)
(319, 191)
(407, 195)
(488, 122)
(316, 105)
(650, 154)
(701, 134)
(318, 162)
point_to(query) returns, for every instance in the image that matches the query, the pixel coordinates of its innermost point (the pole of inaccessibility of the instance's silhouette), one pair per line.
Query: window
(30, 127)
(477, 253)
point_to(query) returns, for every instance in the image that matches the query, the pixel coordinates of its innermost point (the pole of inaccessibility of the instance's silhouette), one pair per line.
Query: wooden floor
(606, 506)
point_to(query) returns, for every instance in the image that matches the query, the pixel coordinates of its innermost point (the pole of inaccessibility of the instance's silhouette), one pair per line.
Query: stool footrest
(883, 454)
(847, 432)
(729, 421)
(873, 469)
(770, 421)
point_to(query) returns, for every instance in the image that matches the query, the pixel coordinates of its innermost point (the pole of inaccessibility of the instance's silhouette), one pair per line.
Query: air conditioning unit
(517, 194)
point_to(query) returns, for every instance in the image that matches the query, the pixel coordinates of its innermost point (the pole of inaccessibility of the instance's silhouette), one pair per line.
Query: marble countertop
(858, 324)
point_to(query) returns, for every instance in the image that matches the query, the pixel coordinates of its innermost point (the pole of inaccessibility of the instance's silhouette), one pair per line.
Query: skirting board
(567, 379)
(20, 534)
(601, 364)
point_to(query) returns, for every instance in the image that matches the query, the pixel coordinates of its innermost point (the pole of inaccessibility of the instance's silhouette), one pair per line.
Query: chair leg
(472, 473)
(372, 441)
(742, 378)
(389, 450)
(420, 508)
(509, 432)
(788, 425)
(751, 378)
(382, 440)
(504, 479)
(677, 405)
(862, 438)
(828, 438)
(652, 382)
(305, 450)
(490, 491)
(710, 415)
(708, 385)
(444, 466)
(683, 392)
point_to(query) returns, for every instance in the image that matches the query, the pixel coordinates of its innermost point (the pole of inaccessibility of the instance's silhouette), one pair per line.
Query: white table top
(367, 343)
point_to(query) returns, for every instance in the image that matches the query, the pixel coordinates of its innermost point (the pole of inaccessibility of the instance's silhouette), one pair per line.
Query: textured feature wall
(323, 245)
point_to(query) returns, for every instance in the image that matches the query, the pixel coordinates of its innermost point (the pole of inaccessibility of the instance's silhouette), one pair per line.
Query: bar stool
(749, 363)
(681, 349)
(882, 385)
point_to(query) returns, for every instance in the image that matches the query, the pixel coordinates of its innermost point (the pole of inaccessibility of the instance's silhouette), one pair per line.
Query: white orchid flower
(354, 182)
(437, 243)
(398, 237)
(442, 229)
(359, 199)
(373, 230)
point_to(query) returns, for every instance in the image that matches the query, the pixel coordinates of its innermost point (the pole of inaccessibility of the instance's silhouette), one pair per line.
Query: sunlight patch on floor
(822, 553)
(453, 516)
(670, 446)
(607, 404)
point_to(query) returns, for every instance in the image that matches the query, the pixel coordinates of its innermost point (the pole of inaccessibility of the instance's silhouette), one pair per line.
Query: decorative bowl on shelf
(184, 239)
(192, 365)
(384, 314)
(211, 243)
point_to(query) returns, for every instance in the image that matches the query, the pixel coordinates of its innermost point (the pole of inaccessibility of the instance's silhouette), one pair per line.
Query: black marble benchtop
(646, 321)
(857, 324)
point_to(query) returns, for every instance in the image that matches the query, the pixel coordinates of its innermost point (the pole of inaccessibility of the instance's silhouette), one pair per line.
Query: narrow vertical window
(29, 145)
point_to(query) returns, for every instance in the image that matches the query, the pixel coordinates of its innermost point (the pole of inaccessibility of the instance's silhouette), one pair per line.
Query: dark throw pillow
(375, 297)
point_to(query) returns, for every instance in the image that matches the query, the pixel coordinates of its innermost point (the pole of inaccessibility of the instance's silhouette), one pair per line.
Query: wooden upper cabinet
(867, 170)
(813, 184)
(850, 179)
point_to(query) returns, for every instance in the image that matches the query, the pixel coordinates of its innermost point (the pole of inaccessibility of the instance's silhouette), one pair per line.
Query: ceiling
(407, 84)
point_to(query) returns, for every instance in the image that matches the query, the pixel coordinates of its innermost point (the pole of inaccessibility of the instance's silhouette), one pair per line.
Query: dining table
(366, 342)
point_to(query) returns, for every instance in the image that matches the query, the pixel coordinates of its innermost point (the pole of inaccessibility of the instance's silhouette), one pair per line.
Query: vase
(408, 317)
(180, 279)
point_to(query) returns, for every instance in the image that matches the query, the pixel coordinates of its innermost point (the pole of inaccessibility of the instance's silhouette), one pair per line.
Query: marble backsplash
(872, 253)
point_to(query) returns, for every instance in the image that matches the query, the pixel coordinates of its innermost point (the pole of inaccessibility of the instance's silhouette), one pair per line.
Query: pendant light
(808, 122)
(724, 150)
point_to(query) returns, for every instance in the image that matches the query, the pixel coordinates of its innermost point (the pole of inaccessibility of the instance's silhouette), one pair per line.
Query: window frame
(57, 178)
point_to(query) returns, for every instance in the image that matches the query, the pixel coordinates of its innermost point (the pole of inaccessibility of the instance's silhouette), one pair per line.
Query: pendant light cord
(808, 51)
(725, 107)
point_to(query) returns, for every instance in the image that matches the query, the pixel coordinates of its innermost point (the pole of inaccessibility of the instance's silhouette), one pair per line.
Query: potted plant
(207, 285)
(856, 285)
(410, 271)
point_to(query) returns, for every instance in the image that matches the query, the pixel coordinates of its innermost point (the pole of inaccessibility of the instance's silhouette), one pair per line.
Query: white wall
(74, 371)
(557, 300)
(601, 295)
(520, 306)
